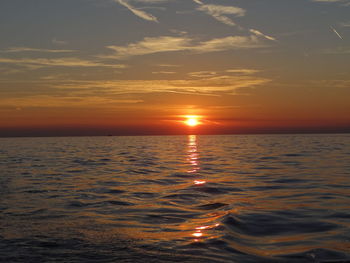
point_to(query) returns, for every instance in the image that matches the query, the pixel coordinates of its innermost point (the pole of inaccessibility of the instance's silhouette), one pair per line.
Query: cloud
(57, 62)
(208, 84)
(345, 24)
(211, 74)
(68, 101)
(334, 83)
(198, 2)
(218, 12)
(151, 1)
(152, 45)
(343, 2)
(336, 51)
(9, 71)
(227, 43)
(164, 72)
(242, 71)
(137, 12)
(328, 1)
(258, 33)
(28, 49)
(202, 74)
(178, 32)
(65, 92)
(168, 65)
(59, 42)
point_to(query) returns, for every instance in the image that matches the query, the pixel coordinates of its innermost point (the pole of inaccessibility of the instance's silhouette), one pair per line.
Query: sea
(191, 198)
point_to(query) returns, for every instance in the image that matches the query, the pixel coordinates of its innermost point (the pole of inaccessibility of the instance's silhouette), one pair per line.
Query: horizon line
(184, 134)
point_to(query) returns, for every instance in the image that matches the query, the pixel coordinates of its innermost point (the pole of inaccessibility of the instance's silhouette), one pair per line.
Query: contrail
(198, 2)
(336, 32)
(258, 33)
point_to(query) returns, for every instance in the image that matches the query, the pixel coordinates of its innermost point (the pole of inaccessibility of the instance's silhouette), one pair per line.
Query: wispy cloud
(163, 72)
(168, 65)
(342, 2)
(70, 100)
(151, 1)
(328, 1)
(57, 62)
(209, 84)
(59, 42)
(243, 71)
(202, 74)
(66, 92)
(227, 43)
(258, 33)
(336, 51)
(138, 12)
(345, 24)
(219, 12)
(211, 74)
(151, 45)
(28, 49)
(9, 71)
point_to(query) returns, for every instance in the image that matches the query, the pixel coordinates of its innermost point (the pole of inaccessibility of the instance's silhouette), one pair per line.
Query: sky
(129, 67)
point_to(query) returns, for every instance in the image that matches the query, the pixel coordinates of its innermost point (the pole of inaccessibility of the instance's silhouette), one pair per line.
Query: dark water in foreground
(175, 199)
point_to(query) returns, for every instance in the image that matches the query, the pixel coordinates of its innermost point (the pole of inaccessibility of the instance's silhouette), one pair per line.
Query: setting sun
(192, 120)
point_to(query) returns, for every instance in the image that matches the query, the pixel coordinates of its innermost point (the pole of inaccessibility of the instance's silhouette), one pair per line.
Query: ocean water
(239, 198)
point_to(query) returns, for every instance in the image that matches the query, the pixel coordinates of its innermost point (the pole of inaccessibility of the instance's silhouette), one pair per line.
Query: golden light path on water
(192, 152)
(193, 159)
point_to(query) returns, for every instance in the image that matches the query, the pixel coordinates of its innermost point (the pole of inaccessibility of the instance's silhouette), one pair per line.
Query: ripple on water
(176, 199)
(211, 206)
(270, 225)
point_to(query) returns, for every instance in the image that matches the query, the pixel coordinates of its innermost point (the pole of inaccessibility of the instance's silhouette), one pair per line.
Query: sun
(192, 120)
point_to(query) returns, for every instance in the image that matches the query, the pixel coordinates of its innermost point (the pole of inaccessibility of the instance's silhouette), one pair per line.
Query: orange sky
(138, 67)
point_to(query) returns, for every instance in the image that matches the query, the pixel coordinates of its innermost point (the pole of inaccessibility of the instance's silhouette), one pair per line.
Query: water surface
(264, 198)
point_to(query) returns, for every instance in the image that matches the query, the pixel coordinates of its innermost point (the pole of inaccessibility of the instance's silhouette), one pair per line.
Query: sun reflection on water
(192, 156)
(199, 182)
(200, 228)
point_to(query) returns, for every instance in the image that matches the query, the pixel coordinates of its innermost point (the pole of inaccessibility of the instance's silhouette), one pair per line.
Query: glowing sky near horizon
(146, 63)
